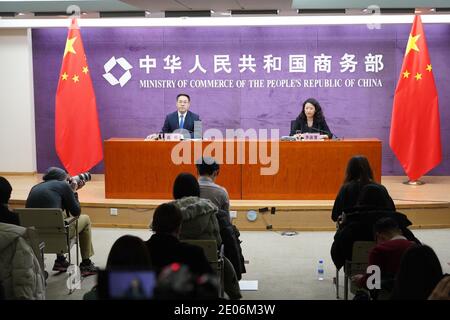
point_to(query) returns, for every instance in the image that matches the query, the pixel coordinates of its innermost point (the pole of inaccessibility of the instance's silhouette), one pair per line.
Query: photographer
(59, 190)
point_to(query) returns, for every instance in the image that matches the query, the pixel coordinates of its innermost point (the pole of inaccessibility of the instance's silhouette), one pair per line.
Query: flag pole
(414, 182)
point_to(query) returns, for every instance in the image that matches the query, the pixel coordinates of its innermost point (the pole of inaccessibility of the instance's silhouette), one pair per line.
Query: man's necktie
(181, 121)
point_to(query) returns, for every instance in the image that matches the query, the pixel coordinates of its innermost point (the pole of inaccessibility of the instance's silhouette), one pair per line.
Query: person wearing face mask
(310, 120)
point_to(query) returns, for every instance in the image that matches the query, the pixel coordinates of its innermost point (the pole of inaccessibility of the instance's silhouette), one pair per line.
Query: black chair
(292, 126)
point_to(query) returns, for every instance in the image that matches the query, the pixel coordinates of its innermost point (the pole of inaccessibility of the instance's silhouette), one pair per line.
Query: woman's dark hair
(358, 169)
(185, 185)
(5, 190)
(318, 114)
(129, 253)
(167, 218)
(373, 195)
(419, 273)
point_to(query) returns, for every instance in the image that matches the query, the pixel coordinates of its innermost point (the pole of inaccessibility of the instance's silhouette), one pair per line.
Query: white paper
(248, 285)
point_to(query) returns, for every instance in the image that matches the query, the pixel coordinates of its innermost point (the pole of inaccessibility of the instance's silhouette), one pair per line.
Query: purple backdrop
(134, 111)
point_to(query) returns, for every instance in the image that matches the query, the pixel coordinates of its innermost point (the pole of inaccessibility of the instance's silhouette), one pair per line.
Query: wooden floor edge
(141, 226)
(263, 203)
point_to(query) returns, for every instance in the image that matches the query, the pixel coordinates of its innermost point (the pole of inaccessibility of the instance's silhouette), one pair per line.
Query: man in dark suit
(182, 118)
(165, 247)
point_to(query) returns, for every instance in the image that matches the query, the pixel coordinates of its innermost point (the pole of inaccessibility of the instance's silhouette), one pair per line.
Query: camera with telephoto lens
(85, 177)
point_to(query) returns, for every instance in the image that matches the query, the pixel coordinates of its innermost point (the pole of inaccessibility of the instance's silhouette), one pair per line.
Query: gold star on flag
(429, 68)
(418, 76)
(412, 45)
(406, 74)
(75, 78)
(85, 70)
(69, 46)
(64, 76)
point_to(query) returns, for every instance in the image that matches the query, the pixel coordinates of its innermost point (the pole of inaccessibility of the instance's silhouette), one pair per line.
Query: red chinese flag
(77, 134)
(415, 127)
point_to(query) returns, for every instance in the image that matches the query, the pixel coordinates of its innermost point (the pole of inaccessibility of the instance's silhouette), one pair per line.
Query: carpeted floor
(285, 266)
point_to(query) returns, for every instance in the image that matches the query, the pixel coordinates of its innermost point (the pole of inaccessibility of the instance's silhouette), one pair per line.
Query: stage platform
(427, 206)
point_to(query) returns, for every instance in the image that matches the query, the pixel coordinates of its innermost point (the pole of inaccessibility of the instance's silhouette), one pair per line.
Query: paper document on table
(248, 285)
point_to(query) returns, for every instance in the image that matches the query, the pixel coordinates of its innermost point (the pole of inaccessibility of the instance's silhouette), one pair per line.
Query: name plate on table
(312, 137)
(173, 137)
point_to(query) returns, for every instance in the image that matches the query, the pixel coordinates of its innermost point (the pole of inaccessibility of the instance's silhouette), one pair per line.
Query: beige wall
(17, 129)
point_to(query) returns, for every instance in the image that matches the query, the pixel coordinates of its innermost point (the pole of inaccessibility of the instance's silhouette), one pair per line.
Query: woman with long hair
(310, 120)
(358, 174)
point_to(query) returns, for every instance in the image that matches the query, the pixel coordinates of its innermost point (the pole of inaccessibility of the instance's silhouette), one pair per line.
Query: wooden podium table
(309, 170)
(138, 169)
(313, 170)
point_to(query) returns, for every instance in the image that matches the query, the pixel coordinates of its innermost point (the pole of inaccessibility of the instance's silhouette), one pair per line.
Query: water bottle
(320, 270)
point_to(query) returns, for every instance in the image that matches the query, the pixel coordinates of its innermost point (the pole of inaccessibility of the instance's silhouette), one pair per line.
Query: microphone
(325, 132)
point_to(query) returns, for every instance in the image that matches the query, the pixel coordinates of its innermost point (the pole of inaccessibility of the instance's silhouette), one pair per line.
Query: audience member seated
(59, 190)
(177, 282)
(200, 222)
(6, 216)
(128, 253)
(420, 272)
(387, 254)
(373, 204)
(199, 215)
(357, 175)
(165, 247)
(442, 290)
(208, 171)
(20, 272)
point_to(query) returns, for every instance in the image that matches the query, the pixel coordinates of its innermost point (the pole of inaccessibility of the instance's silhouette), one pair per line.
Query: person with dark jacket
(357, 175)
(373, 204)
(165, 247)
(182, 118)
(310, 120)
(59, 190)
(419, 273)
(231, 243)
(6, 216)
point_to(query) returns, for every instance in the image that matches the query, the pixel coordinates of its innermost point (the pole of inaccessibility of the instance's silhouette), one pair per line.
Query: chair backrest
(208, 246)
(292, 125)
(361, 250)
(41, 218)
(215, 258)
(50, 226)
